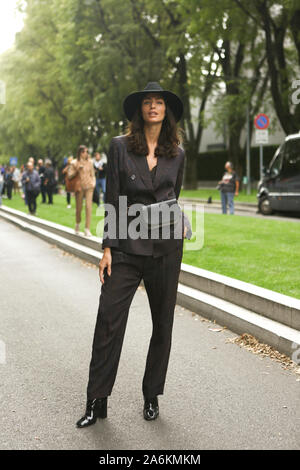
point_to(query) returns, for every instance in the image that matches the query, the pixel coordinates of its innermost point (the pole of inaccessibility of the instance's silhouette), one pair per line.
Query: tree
(240, 57)
(78, 60)
(183, 67)
(280, 24)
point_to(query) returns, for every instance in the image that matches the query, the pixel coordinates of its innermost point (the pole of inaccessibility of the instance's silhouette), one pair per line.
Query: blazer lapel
(143, 169)
(140, 162)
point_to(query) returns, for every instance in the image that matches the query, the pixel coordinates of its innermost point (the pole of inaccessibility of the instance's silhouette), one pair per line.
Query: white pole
(261, 161)
(248, 154)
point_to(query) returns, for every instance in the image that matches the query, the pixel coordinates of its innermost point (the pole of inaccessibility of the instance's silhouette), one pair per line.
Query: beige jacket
(86, 173)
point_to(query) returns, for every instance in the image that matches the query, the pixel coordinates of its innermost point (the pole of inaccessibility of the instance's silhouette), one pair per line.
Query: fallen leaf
(250, 343)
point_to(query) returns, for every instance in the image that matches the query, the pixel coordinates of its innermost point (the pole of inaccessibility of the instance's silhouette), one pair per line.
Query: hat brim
(134, 100)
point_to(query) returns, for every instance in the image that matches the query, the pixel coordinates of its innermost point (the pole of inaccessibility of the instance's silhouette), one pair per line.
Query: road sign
(261, 121)
(261, 136)
(13, 161)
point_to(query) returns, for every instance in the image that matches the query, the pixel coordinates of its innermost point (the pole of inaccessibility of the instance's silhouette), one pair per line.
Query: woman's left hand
(185, 232)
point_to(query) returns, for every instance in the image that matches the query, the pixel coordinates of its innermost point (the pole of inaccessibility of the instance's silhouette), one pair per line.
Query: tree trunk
(190, 172)
(235, 153)
(279, 85)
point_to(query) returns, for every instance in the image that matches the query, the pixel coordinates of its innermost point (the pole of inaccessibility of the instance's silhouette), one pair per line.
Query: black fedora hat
(133, 101)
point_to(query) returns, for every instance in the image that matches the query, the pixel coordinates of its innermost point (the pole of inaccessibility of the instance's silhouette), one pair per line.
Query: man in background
(229, 187)
(49, 180)
(41, 169)
(32, 183)
(100, 173)
(9, 181)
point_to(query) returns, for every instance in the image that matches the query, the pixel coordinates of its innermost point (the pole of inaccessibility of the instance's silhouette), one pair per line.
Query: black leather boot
(96, 408)
(151, 409)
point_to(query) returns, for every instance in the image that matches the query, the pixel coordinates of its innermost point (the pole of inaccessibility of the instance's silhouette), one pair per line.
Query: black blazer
(128, 174)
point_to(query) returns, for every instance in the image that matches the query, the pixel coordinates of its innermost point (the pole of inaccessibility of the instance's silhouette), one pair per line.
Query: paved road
(217, 395)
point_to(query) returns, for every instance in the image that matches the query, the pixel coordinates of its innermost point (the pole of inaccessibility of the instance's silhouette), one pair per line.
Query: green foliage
(76, 60)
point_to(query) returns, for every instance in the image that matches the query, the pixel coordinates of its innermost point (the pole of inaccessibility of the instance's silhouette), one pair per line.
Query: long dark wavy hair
(81, 149)
(168, 140)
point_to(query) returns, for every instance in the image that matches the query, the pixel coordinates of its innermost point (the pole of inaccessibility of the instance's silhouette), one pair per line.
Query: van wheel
(265, 206)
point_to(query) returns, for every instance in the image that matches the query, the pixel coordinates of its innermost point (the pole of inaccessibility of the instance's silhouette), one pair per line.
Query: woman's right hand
(105, 263)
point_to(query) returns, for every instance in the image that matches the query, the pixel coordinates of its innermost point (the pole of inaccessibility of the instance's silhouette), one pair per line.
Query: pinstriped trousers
(160, 276)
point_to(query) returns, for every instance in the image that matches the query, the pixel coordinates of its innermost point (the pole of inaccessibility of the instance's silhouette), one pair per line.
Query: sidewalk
(215, 203)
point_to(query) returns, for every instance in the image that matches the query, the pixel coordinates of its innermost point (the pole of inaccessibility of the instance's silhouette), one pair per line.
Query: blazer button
(132, 177)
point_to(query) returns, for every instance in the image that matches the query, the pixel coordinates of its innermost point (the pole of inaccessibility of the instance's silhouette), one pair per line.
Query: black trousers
(9, 189)
(31, 199)
(160, 277)
(43, 192)
(50, 190)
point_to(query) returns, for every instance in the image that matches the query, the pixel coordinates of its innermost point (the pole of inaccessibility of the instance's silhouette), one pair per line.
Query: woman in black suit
(144, 167)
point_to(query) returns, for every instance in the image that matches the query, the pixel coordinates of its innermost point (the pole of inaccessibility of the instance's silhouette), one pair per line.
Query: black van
(279, 190)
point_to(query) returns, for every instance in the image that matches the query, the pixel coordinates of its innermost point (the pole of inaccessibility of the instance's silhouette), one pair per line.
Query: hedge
(210, 165)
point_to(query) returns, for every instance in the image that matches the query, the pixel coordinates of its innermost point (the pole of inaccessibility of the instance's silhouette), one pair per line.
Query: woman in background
(83, 165)
(64, 172)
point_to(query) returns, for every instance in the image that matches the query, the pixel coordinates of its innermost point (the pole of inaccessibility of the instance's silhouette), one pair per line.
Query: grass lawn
(215, 194)
(264, 252)
(58, 212)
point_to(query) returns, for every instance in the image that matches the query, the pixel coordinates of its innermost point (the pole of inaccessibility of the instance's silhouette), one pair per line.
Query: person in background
(64, 172)
(16, 180)
(229, 187)
(4, 190)
(9, 181)
(41, 170)
(23, 169)
(100, 172)
(1, 183)
(56, 178)
(32, 182)
(83, 165)
(49, 180)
